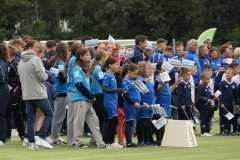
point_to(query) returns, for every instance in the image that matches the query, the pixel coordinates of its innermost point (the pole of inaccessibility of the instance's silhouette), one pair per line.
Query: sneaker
(48, 140)
(33, 146)
(21, 138)
(210, 134)
(36, 138)
(92, 142)
(86, 135)
(102, 146)
(59, 142)
(2, 144)
(25, 142)
(150, 144)
(231, 134)
(7, 139)
(142, 144)
(158, 143)
(41, 142)
(114, 146)
(122, 143)
(132, 145)
(222, 134)
(205, 135)
(81, 146)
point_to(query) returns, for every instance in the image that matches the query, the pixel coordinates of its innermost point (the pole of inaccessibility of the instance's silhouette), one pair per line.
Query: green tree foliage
(123, 19)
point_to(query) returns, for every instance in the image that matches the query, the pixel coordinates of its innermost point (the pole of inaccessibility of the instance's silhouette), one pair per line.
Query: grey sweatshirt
(32, 76)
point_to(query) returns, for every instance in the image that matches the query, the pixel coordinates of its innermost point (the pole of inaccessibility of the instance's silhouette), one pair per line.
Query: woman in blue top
(60, 85)
(111, 100)
(82, 99)
(4, 90)
(163, 96)
(67, 73)
(96, 87)
(145, 114)
(132, 100)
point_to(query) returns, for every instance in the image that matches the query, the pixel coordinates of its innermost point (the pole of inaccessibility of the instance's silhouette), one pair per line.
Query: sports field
(209, 148)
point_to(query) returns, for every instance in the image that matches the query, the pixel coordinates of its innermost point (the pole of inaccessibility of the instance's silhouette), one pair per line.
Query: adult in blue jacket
(203, 55)
(141, 44)
(192, 55)
(157, 55)
(4, 90)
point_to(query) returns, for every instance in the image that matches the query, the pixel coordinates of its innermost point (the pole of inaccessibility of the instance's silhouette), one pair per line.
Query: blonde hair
(97, 56)
(237, 52)
(142, 66)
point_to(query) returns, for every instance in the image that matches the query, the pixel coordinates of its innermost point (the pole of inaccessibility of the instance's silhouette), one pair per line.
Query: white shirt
(234, 78)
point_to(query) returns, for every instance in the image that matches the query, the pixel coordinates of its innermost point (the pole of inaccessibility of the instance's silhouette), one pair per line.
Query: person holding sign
(228, 102)
(205, 98)
(141, 44)
(132, 100)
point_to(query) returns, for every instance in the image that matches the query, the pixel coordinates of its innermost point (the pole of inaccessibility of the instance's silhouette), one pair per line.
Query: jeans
(45, 107)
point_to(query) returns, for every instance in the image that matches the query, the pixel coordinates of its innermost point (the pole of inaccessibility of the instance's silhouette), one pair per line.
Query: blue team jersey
(134, 94)
(79, 76)
(204, 93)
(110, 99)
(238, 61)
(60, 87)
(147, 98)
(228, 90)
(175, 56)
(193, 56)
(97, 75)
(70, 64)
(157, 57)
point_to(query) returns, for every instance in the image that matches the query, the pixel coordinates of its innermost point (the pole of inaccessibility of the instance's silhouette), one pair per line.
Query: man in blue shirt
(19, 45)
(141, 44)
(179, 49)
(225, 51)
(203, 54)
(157, 56)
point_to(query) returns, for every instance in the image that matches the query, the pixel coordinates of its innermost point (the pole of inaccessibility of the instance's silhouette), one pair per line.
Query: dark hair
(184, 71)
(128, 67)
(158, 66)
(81, 52)
(212, 49)
(57, 40)
(12, 50)
(178, 43)
(30, 43)
(84, 38)
(233, 65)
(110, 60)
(69, 44)
(51, 44)
(207, 66)
(74, 49)
(61, 54)
(161, 40)
(140, 38)
(205, 75)
(147, 57)
(36, 39)
(124, 61)
(4, 52)
(169, 48)
(223, 48)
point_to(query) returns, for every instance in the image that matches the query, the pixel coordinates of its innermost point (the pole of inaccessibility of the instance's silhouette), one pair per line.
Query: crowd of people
(95, 88)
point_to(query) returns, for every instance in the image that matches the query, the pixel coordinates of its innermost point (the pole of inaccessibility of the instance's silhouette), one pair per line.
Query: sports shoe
(150, 144)
(114, 146)
(222, 134)
(102, 146)
(132, 145)
(231, 134)
(142, 144)
(36, 138)
(205, 135)
(59, 142)
(22, 138)
(7, 139)
(92, 142)
(25, 142)
(2, 144)
(158, 143)
(33, 146)
(48, 140)
(41, 142)
(122, 143)
(210, 134)
(81, 146)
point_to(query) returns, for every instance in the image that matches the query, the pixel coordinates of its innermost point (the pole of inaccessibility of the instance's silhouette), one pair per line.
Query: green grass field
(209, 148)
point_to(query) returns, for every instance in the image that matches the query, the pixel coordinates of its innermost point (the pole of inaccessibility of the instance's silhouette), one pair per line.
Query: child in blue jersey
(60, 86)
(111, 100)
(96, 87)
(205, 98)
(82, 99)
(145, 114)
(67, 73)
(228, 100)
(184, 95)
(163, 97)
(132, 100)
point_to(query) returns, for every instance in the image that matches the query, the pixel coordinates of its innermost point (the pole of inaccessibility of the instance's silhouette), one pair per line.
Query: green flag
(208, 34)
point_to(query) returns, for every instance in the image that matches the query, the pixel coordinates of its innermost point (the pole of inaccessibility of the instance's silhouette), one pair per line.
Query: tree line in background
(123, 19)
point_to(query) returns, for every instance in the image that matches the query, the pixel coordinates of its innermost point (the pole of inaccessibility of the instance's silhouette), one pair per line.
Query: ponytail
(128, 67)
(158, 66)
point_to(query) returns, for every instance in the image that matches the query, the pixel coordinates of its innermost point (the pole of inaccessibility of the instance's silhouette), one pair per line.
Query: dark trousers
(128, 131)
(102, 116)
(143, 130)
(4, 97)
(113, 122)
(205, 117)
(14, 107)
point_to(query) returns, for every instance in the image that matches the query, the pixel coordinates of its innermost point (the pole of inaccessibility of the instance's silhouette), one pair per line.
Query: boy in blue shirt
(157, 56)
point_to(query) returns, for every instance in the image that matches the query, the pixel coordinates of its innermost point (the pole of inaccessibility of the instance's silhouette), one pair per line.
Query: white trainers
(41, 142)
(2, 144)
(36, 138)
(33, 146)
(114, 146)
(209, 134)
(25, 142)
(205, 135)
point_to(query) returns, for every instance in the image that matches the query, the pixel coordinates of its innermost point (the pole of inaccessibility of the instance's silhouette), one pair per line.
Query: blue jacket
(203, 61)
(174, 56)
(157, 56)
(193, 56)
(3, 72)
(51, 92)
(228, 96)
(204, 93)
(216, 64)
(138, 55)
